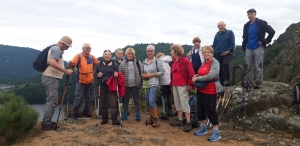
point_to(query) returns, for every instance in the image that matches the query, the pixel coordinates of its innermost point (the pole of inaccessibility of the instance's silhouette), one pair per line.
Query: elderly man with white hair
(84, 63)
(224, 43)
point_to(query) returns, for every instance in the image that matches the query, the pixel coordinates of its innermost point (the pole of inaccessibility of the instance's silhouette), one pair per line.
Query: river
(40, 109)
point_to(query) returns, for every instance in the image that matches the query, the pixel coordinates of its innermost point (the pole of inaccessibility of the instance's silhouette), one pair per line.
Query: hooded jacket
(262, 29)
(166, 78)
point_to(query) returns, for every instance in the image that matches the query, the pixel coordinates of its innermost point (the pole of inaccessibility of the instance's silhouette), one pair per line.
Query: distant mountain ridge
(16, 64)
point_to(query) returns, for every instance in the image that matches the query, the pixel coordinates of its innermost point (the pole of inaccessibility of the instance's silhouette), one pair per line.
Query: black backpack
(40, 64)
(193, 110)
(296, 100)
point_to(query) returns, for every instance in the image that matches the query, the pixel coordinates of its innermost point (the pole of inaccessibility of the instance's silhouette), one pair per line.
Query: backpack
(79, 60)
(193, 109)
(234, 48)
(296, 100)
(41, 62)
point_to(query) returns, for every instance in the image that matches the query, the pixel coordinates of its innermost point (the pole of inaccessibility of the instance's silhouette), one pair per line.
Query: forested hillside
(140, 49)
(16, 64)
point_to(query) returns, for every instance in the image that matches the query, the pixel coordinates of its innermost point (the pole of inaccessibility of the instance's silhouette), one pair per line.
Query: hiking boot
(177, 122)
(201, 131)
(164, 117)
(104, 119)
(138, 117)
(248, 85)
(115, 120)
(188, 127)
(87, 115)
(74, 117)
(155, 122)
(149, 120)
(257, 85)
(49, 127)
(170, 113)
(124, 116)
(226, 83)
(215, 136)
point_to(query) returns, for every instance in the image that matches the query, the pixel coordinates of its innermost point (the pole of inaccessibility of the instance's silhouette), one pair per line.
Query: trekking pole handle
(233, 75)
(228, 100)
(223, 98)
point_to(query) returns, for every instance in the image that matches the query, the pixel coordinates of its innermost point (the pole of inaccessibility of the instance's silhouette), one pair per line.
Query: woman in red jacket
(181, 81)
(207, 96)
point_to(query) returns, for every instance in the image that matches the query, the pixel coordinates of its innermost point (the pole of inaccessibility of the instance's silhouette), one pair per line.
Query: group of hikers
(176, 74)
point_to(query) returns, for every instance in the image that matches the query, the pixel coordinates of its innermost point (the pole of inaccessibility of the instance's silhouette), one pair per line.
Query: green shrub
(16, 116)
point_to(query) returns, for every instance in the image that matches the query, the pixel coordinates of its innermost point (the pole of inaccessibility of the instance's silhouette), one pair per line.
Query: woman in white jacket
(164, 82)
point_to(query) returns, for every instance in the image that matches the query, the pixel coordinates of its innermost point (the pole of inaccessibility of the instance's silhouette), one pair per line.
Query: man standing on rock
(254, 42)
(84, 79)
(50, 77)
(223, 45)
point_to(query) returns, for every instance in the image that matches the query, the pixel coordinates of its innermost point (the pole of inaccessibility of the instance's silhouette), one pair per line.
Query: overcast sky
(111, 24)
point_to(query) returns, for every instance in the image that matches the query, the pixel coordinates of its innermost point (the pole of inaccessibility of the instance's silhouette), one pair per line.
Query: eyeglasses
(150, 51)
(88, 48)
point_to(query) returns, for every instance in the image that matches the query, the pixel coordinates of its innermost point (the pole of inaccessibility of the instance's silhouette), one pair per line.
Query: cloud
(109, 24)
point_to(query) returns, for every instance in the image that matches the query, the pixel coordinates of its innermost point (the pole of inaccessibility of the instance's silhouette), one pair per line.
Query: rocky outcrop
(266, 109)
(285, 67)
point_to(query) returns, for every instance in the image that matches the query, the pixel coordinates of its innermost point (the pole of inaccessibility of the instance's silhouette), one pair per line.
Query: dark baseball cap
(251, 10)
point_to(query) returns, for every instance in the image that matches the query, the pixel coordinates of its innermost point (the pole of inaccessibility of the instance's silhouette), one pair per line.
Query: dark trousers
(206, 106)
(224, 67)
(82, 91)
(113, 100)
(166, 93)
(135, 92)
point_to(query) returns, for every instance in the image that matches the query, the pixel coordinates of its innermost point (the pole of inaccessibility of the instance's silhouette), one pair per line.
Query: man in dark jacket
(254, 42)
(223, 45)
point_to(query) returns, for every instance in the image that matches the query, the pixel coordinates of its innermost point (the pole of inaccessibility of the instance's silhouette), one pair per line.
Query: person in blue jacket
(223, 45)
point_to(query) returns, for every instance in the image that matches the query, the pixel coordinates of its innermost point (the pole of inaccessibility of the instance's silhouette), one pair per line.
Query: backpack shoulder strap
(138, 65)
(156, 64)
(79, 60)
(114, 65)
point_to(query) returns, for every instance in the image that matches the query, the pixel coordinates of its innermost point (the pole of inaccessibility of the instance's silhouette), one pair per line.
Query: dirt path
(84, 132)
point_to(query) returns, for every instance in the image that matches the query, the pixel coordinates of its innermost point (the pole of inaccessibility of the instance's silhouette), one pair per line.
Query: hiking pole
(97, 100)
(68, 102)
(97, 107)
(119, 103)
(245, 86)
(228, 99)
(145, 85)
(62, 99)
(220, 96)
(222, 104)
(145, 105)
(164, 117)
